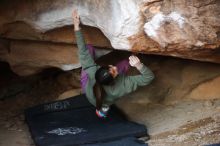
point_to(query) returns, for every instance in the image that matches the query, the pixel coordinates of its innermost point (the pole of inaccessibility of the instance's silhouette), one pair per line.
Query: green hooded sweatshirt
(122, 84)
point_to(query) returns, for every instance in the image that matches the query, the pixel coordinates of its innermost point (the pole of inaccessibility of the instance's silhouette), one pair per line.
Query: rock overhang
(181, 29)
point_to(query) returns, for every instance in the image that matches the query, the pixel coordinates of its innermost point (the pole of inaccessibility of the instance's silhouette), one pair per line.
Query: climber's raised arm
(85, 58)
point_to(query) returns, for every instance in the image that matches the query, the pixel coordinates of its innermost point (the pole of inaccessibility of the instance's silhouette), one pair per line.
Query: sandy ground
(193, 123)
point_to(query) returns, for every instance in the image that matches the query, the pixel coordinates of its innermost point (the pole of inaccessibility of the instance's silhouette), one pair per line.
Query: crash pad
(128, 141)
(74, 122)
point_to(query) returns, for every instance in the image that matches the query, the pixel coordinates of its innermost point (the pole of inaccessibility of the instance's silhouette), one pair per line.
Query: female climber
(103, 85)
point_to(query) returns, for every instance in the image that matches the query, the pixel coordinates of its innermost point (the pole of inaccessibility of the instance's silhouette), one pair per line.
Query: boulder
(27, 57)
(186, 29)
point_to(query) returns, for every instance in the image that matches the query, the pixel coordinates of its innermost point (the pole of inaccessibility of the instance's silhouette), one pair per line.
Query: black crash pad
(217, 144)
(79, 101)
(128, 141)
(76, 123)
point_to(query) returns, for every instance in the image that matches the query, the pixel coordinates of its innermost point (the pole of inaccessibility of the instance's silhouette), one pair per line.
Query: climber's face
(113, 71)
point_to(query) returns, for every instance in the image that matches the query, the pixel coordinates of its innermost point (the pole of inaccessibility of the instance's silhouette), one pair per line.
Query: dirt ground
(189, 123)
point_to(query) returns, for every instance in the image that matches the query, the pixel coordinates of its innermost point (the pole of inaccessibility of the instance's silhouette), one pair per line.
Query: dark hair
(103, 76)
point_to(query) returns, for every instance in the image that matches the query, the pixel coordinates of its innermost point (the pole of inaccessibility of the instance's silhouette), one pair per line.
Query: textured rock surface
(26, 58)
(65, 34)
(186, 29)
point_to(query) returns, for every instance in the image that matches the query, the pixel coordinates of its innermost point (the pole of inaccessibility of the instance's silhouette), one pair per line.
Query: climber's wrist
(76, 28)
(139, 66)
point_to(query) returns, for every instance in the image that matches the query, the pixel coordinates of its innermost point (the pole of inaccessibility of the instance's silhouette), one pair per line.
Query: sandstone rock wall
(27, 57)
(185, 29)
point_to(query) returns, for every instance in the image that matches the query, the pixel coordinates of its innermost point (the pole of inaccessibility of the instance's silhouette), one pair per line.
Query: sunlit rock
(185, 29)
